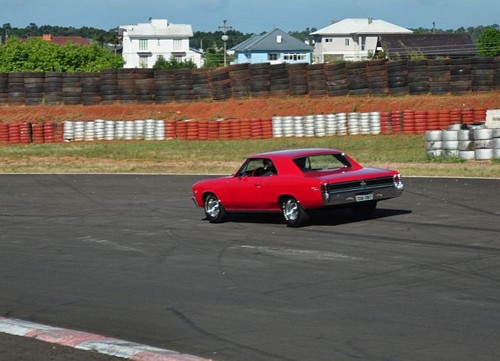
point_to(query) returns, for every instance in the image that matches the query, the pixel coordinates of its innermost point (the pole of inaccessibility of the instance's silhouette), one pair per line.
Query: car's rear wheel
(293, 212)
(214, 210)
(364, 209)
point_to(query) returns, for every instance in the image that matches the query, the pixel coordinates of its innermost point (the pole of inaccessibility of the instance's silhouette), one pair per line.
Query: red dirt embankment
(248, 108)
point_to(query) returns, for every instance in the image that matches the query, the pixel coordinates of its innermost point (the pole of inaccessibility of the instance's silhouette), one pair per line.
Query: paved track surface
(130, 257)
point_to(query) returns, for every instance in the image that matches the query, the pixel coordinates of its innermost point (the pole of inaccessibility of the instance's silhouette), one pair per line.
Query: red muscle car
(294, 182)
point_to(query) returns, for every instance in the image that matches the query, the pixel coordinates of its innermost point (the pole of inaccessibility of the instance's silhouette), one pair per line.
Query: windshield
(322, 162)
(257, 167)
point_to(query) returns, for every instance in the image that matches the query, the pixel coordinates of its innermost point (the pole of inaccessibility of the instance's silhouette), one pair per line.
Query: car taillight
(398, 182)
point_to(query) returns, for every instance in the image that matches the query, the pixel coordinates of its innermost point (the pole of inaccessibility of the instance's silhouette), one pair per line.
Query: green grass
(403, 152)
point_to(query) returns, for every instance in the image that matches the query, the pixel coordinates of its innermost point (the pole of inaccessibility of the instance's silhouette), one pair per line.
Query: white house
(351, 39)
(144, 43)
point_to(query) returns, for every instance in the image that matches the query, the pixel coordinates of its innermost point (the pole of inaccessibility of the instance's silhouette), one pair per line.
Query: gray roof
(271, 42)
(429, 45)
(157, 28)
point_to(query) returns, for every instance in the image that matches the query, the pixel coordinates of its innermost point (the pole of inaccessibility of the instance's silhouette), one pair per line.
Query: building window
(143, 61)
(143, 44)
(295, 57)
(272, 56)
(346, 42)
(363, 43)
(177, 44)
(328, 40)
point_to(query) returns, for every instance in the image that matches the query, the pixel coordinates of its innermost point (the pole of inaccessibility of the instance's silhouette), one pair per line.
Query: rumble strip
(91, 342)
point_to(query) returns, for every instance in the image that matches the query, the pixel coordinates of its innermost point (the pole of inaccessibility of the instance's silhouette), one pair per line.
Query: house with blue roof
(274, 47)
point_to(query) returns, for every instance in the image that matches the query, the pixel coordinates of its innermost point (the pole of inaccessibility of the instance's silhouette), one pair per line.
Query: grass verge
(405, 153)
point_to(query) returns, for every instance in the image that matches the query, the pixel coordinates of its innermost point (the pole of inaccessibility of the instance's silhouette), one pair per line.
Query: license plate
(364, 197)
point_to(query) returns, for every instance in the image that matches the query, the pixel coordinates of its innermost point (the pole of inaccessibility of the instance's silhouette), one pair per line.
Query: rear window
(322, 162)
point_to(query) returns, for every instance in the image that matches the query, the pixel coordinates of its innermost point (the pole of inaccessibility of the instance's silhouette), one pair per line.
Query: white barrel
(89, 131)
(455, 127)
(99, 129)
(466, 154)
(160, 130)
(138, 129)
(495, 143)
(496, 153)
(495, 133)
(109, 130)
(364, 123)
(435, 153)
(309, 126)
(341, 123)
(433, 135)
(330, 124)
(434, 145)
(298, 126)
(353, 123)
(483, 154)
(79, 131)
(375, 125)
(449, 135)
(483, 144)
(287, 124)
(277, 127)
(149, 129)
(465, 134)
(450, 153)
(466, 145)
(129, 130)
(120, 130)
(319, 125)
(450, 144)
(68, 131)
(483, 134)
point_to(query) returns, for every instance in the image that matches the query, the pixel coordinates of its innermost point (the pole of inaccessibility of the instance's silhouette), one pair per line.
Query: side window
(258, 167)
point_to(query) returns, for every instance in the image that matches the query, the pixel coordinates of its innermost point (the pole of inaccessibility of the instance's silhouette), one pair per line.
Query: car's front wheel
(293, 212)
(214, 210)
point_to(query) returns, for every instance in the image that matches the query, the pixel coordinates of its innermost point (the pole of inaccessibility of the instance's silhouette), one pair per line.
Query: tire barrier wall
(320, 125)
(376, 77)
(473, 142)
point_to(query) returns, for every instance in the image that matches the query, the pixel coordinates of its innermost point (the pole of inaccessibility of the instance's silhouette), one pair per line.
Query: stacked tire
(397, 77)
(460, 76)
(220, 84)
(260, 79)
(201, 84)
(316, 81)
(164, 86)
(439, 76)
(16, 91)
(183, 86)
(72, 88)
(91, 88)
(279, 81)
(109, 86)
(418, 76)
(54, 88)
(483, 73)
(239, 76)
(336, 79)
(377, 77)
(4, 88)
(34, 88)
(297, 74)
(357, 79)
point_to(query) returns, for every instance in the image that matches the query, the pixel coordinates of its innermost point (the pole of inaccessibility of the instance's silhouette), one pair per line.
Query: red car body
(298, 180)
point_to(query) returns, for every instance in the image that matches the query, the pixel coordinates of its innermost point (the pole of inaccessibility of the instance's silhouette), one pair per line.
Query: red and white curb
(91, 342)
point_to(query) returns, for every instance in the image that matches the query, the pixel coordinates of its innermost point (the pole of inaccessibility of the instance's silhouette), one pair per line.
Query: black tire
(214, 210)
(364, 210)
(293, 212)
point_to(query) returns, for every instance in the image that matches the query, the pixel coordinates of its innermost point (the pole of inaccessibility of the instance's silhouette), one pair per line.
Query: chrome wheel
(214, 210)
(294, 213)
(291, 210)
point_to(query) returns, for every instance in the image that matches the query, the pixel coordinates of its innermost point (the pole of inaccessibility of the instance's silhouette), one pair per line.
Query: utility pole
(224, 38)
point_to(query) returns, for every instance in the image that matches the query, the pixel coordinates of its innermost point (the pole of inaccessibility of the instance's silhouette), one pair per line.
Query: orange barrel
(246, 129)
(467, 116)
(267, 128)
(396, 121)
(384, 122)
(235, 126)
(420, 121)
(48, 132)
(409, 121)
(479, 115)
(25, 132)
(213, 129)
(456, 116)
(432, 120)
(444, 119)
(37, 133)
(203, 129)
(170, 128)
(4, 132)
(181, 130)
(191, 129)
(14, 136)
(224, 129)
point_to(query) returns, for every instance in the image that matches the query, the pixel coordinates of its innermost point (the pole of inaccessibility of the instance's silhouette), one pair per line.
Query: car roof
(296, 153)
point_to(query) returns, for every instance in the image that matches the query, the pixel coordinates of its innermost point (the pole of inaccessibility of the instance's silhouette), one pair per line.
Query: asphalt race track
(131, 257)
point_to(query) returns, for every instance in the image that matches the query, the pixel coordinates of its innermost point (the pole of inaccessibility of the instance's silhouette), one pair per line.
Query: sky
(248, 16)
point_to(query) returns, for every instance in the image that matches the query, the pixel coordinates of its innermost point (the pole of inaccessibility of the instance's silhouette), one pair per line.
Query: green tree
(489, 42)
(36, 54)
(163, 64)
